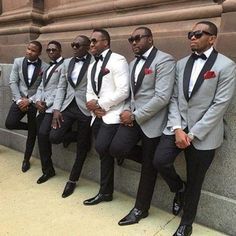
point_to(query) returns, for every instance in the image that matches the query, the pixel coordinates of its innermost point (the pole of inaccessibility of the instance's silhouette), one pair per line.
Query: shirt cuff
(18, 101)
(173, 128)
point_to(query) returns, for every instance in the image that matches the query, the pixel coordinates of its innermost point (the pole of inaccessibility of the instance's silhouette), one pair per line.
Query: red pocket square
(148, 71)
(105, 71)
(209, 75)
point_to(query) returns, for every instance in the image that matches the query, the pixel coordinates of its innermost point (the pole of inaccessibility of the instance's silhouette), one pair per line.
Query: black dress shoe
(184, 230)
(45, 177)
(178, 201)
(134, 216)
(100, 197)
(69, 189)
(25, 166)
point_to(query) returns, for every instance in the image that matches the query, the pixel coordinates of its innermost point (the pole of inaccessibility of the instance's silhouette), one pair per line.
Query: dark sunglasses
(94, 41)
(198, 34)
(137, 38)
(77, 45)
(51, 50)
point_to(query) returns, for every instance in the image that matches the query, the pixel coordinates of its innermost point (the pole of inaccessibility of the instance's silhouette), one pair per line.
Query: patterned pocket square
(209, 75)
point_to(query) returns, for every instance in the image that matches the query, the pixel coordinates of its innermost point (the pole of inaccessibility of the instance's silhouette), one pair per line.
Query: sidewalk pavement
(30, 209)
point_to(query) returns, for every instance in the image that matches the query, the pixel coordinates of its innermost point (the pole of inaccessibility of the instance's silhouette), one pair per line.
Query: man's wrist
(97, 104)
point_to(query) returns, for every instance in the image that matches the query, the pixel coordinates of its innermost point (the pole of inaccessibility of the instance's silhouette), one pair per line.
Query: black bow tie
(78, 59)
(52, 63)
(97, 58)
(139, 57)
(197, 56)
(32, 63)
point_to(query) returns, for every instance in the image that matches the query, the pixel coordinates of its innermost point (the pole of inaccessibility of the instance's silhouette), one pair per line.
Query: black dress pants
(44, 121)
(197, 161)
(124, 144)
(103, 138)
(70, 115)
(13, 121)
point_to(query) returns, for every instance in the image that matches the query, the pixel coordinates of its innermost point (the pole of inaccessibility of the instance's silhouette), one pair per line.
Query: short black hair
(212, 27)
(58, 45)
(146, 29)
(37, 44)
(104, 33)
(85, 39)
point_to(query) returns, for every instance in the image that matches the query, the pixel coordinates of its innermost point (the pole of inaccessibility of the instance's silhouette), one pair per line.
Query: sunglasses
(137, 38)
(94, 41)
(77, 45)
(51, 50)
(198, 34)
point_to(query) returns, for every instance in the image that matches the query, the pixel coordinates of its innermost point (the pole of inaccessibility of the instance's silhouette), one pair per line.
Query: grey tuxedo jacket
(18, 80)
(47, 90)
(151, 94)
(67, 90)
(202, 113)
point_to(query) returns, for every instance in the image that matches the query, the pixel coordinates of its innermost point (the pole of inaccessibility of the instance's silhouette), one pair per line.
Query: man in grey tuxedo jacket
(69, 107)
(44, 101)
(25, 77)
(204, 86)
(152, 80)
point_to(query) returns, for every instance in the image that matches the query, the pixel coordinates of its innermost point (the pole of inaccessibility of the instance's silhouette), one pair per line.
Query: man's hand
(92, 105)
(99, 112)
(182, 140)
(41, 106)
(126, 118)
(57, 119)
(24, 104)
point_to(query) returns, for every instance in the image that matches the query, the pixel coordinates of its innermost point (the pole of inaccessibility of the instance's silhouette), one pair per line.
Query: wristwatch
(191, 136)
(132, 116)
(97, 105)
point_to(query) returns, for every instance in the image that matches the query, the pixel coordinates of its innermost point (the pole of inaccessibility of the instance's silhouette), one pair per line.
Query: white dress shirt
(76, 70)
(197, 67)
(52, 66)
(140, 64)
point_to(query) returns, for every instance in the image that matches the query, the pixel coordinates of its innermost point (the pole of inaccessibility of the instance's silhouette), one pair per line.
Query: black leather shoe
(25, 166)
(69, 189)
(178, 201)
(100, 197)
(45, 177)
(184, 230)
(134, 216)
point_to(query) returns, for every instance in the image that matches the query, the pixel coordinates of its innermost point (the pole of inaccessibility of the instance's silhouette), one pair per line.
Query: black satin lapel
(147, 64)
(44, 76)
(70, 70)
(52, 71)
(25, 72)
(208, 65)
(133, 75)
(186, 79)
(36, 72)
(106, 59)
(83, 69)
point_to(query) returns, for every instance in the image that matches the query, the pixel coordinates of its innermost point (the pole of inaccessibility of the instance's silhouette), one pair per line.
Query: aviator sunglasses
(198, 34)
(137, 38)
(77, 45)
